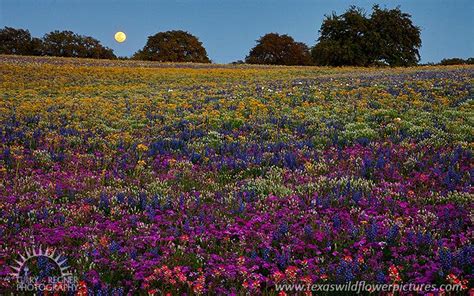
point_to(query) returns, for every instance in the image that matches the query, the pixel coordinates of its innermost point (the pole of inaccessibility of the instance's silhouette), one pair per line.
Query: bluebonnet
(336, 221)
(380, 277)
(253, 254)
(265, 254)
(446, 259)
(367, 165)
(131, 201)
(133, 254)
(282, 260)
(372, 231)
(308, 231)
(344, 272)
(281, 231)
(195, 157)
(142, 200)
(290, 160)
(120, 197)
(465, 256)
(393, 234)
(104, 204)
(240, 206)
(155, 202)
(114, 247)
(354, 232)
(357, 196)
(419, 238)
(364, 141)
(150, 211)
(44, 266)
(380, 162)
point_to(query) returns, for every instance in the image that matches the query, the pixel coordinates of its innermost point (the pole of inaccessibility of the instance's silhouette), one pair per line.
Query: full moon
(120, 37)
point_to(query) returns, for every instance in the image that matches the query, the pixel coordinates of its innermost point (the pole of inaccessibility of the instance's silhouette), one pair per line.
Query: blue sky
(228, 29)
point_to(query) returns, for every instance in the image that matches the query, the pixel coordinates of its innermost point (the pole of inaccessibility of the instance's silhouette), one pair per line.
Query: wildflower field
(209, 179)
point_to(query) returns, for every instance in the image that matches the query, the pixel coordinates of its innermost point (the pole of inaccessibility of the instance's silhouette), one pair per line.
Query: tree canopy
(275, 49)
(387, 37)
(456, 61)
(18, 41)
(69, 44)
(56, 43)
(173, 46)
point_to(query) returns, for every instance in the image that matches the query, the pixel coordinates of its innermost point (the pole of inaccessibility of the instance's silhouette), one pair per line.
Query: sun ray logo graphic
(30, 253)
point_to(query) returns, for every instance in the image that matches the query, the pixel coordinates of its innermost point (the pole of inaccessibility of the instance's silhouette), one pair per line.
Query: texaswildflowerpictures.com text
(362, 286)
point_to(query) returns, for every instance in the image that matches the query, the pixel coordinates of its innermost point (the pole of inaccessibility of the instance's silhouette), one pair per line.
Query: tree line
(56, 43)
(354, 38)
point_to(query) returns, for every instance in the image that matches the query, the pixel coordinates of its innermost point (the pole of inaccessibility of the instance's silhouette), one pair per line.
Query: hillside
(217, 179)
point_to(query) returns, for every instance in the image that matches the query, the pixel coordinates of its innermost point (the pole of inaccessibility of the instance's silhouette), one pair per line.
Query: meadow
(210, 179)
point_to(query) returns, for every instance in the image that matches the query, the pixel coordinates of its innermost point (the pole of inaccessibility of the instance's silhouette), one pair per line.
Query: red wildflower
(291, 272)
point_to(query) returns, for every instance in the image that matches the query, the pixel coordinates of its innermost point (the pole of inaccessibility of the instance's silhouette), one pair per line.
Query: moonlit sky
(228, 29)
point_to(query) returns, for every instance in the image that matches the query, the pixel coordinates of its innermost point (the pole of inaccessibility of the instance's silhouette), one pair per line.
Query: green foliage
(456, 61)
(343, 40)
(387, 37)
(56, 43)
(324, 185)
(69, 44)
(354, 131)
(275, 49)
(173, 46)
(18, 41)
(271, 183)
(394, 36)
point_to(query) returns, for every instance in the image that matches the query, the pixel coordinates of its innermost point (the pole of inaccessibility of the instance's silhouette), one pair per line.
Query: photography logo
(35, 268)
